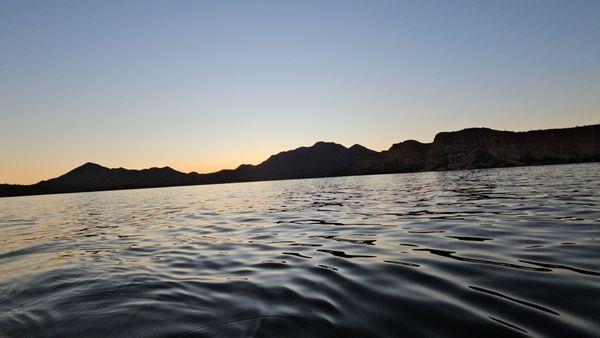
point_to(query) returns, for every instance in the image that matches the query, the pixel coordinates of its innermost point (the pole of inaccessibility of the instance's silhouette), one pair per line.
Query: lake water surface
(505, 252)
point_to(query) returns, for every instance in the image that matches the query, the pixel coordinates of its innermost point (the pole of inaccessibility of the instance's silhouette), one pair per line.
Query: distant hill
(465, 149)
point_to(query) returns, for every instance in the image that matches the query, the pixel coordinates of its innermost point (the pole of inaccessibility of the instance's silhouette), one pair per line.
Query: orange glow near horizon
(32, 169)
(31, 174)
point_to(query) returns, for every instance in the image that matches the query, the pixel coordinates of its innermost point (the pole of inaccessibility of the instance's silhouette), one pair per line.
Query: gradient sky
(203, 85)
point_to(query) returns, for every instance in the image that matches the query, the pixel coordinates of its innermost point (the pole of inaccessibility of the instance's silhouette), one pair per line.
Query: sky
(205, 85)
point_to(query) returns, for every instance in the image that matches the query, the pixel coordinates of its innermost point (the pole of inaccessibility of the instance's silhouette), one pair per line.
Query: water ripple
(498, 252)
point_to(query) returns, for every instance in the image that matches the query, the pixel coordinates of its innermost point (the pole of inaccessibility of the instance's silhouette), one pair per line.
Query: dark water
(470, 253)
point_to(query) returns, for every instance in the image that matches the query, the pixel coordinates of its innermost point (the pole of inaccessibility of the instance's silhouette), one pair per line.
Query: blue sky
(203, 85)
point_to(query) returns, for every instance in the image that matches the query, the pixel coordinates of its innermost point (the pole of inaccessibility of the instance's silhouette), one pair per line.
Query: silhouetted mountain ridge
(465, 149)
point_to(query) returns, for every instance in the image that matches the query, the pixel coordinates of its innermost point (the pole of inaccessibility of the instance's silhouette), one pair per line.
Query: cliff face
(464, 149)
(486, 148)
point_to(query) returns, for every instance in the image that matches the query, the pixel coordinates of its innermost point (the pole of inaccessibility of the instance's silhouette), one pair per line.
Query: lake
(509, 252)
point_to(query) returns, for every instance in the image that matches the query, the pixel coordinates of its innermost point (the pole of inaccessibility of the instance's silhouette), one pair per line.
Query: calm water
(470, 253)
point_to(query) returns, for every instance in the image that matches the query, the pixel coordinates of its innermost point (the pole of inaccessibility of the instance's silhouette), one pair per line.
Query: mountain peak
(406, 144)
(86, 168)
(89, 166)
(163, 169)
(331, 145)
(361, 150)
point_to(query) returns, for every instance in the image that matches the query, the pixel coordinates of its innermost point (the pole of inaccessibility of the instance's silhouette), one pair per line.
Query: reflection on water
(504, 251)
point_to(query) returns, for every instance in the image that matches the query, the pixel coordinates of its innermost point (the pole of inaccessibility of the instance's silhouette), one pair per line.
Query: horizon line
(299, 147)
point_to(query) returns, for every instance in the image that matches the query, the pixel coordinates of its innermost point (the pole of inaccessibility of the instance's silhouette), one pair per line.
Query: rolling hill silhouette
(465, 149)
